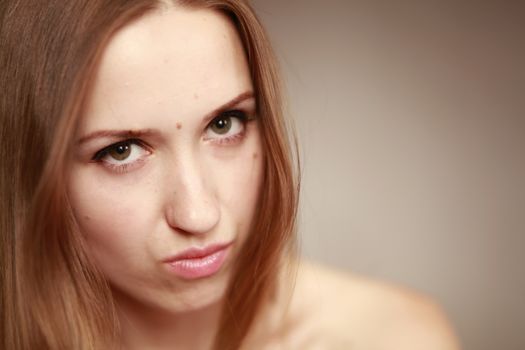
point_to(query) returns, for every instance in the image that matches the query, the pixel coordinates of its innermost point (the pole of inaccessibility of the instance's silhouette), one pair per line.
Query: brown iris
(120, 151)
(221, 125)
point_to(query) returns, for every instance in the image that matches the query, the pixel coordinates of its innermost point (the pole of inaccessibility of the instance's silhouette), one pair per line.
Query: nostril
(182, 232)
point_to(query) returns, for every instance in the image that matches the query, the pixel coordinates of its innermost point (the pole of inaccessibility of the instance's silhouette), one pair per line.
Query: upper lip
(197, 252)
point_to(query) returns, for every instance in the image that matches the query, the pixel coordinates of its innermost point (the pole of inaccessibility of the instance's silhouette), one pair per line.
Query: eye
(122, 154)
(227, 126)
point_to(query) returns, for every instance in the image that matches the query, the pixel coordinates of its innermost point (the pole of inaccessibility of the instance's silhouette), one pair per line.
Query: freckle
(255, 156)
(87, 217)
(179, 126)
(196, 96)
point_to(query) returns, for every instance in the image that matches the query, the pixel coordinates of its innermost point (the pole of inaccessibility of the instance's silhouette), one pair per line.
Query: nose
(192, 206)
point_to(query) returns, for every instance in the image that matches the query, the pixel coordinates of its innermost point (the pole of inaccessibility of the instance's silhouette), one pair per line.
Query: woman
(148, 190)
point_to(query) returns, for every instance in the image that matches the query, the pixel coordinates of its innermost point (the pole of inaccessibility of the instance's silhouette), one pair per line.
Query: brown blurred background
(411, 116)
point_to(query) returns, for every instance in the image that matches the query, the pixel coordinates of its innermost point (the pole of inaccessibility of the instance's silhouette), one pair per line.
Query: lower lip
(199, 267)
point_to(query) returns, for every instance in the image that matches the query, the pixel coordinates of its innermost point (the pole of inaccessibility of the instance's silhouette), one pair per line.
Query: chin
(173, 297)
(197, 298)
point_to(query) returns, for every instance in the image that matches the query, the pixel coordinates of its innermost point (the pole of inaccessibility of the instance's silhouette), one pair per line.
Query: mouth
(198, 262)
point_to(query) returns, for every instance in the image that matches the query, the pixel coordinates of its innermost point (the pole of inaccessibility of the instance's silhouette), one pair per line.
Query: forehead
(174, 62)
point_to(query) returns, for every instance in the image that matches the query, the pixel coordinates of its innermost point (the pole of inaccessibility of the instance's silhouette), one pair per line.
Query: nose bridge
(191, 206)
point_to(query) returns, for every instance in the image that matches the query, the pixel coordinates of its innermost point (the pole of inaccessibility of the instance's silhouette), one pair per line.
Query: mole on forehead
(178, 125)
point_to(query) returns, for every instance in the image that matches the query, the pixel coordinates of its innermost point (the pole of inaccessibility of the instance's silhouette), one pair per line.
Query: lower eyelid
(125, 168)
(230, 139)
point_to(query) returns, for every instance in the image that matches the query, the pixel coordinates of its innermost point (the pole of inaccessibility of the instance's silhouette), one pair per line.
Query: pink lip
(198, 262)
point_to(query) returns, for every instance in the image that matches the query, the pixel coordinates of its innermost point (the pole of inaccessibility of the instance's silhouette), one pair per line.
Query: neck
(148, 328)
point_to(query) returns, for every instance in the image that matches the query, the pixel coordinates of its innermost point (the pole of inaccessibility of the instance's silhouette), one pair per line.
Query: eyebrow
(148, 132)
(229, 105)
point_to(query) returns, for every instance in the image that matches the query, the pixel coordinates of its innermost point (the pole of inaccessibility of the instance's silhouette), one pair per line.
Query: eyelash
(240, 115)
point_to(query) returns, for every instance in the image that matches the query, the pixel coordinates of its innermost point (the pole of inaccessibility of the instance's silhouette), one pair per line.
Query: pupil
(222, 123)
(122, 149)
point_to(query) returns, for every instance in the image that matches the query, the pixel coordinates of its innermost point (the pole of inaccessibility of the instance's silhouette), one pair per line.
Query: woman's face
(168, 160)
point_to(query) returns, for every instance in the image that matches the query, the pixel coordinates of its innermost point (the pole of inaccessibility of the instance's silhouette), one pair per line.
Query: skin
(321, 308)
(184, 185)
(161, 81)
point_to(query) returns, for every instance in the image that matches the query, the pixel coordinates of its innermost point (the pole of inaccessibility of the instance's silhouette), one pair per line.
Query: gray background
(411, 117)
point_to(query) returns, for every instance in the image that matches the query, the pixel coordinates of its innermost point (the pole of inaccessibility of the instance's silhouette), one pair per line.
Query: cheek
(241, 192)
(113, 220)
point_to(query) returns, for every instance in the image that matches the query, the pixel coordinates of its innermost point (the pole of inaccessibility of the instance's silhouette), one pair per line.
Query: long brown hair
(52, 296)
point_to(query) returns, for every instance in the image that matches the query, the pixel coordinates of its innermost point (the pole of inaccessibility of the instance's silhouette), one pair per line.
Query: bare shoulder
(339, 310)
